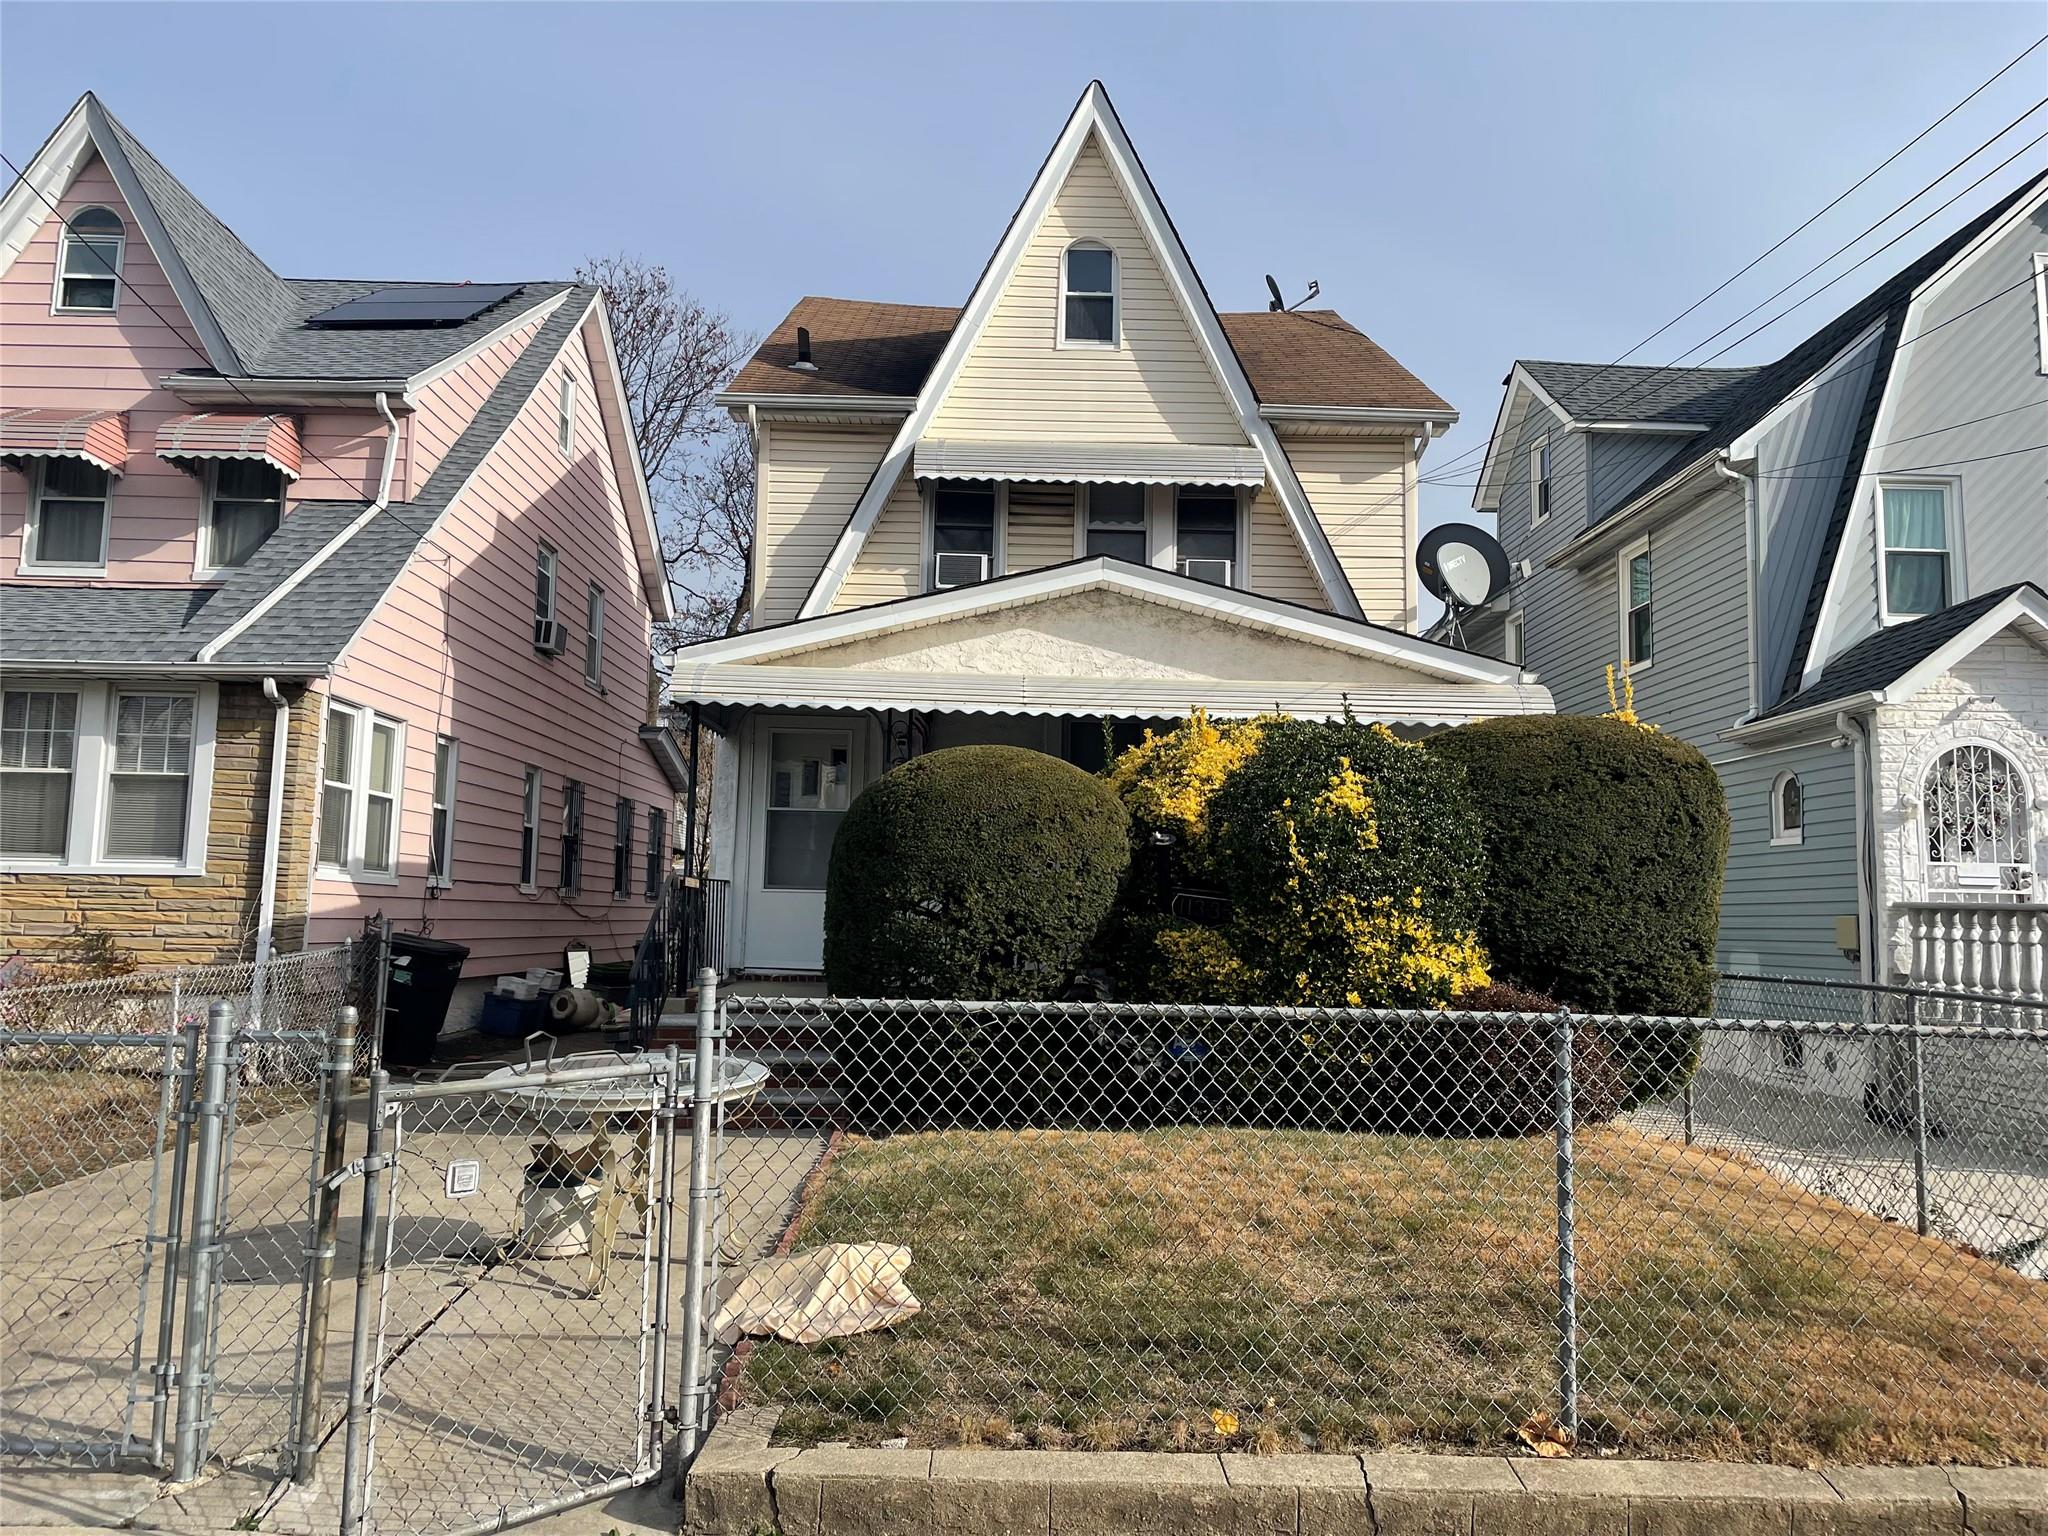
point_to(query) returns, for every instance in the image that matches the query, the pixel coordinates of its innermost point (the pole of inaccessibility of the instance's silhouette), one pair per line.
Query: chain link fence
(1118, 1226)
(101, 1104)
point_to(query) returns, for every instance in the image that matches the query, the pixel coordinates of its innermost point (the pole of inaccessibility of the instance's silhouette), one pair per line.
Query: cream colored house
(1085, 497)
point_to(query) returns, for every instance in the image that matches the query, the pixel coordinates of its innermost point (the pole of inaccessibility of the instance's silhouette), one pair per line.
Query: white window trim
(202, 552)
(1539, 475)
(2029, 801)
(1951, 488)
(1621, 592)
(532, 803)
(565, 415)
(32, 527)
(998, 560)
(352, 871)
(593, 637)
(1083, 497)
(1062, 341)
(1513, 636)
(2041, 303)
(91, 782)
(1240, 560)
(64, 239)
(1783, 836)
(445, 880)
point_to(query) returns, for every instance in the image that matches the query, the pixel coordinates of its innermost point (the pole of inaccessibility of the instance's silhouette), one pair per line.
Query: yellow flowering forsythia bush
(1351, 862)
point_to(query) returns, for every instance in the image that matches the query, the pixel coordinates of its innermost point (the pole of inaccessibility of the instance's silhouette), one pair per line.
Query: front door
(805, 776)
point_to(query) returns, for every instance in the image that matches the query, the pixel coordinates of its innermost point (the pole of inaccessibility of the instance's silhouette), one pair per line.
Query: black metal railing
(685, 932)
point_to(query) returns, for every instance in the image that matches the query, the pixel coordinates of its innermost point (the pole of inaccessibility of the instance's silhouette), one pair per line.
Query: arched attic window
(1088, 295)
(1788, 809)
(89, 262)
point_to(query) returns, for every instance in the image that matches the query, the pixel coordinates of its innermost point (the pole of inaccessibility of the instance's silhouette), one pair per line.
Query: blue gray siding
(1620, 461)
(1779, 903)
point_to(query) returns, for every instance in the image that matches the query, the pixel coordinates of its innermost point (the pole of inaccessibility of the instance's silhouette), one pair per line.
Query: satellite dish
(1462, 566)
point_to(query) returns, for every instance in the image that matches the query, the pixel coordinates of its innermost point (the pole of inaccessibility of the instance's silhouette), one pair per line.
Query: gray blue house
(1827, 572)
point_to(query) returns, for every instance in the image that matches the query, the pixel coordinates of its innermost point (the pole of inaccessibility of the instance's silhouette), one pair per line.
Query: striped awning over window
(54, 432)
(1090, 463)
(232, 435)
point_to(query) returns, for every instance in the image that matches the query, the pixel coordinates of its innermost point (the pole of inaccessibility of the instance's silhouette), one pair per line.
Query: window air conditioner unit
(550, 636)
(955, 568)
(1217, 571)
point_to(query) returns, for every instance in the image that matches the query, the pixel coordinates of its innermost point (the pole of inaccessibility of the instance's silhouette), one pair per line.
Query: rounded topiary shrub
(1354, 864)
(1606, 843)
(973, 872)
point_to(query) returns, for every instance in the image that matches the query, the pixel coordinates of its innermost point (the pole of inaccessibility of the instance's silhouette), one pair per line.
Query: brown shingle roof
(1312, 357)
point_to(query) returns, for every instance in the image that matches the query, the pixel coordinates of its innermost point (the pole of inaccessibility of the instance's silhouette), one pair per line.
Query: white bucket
(557, 1221)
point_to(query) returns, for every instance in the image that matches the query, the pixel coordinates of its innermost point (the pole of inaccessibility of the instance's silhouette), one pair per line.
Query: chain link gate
(512, 1294)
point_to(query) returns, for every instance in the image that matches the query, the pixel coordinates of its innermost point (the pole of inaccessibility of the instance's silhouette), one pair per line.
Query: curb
(740, 1485)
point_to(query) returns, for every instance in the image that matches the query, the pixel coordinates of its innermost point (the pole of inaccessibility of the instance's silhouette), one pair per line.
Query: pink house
(318, 597)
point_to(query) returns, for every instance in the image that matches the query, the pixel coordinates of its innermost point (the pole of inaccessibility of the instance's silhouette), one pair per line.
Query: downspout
(273, 837)
(1752, 552)
(1851, 730)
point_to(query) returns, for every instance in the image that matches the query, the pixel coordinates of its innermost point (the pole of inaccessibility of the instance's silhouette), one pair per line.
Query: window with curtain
(1116, 522)
(70, 523)
(529, 830)
(963, 533)
(38, 754)
(1088, 296)
(150, 785)
(441, 829)
(1916, 550)
(1205, 533)
(380, 800)
(245, 500)
(89, 262)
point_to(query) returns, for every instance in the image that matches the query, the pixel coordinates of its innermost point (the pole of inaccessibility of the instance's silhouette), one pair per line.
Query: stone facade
(194, 919)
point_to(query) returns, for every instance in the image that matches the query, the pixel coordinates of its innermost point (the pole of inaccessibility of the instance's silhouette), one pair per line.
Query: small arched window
(1788, 809)
(89, 262)
(1088, 316)
(1974, 808)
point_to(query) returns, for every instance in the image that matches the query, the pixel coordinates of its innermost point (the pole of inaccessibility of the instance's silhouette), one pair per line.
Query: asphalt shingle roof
(1312, 357)
(1620, 392)
(1879, 660)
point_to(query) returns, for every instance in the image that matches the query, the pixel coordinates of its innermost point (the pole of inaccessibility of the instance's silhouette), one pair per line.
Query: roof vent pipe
(803, 361)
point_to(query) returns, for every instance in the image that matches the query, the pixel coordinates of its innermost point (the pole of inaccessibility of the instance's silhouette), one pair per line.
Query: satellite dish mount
(1465, 568)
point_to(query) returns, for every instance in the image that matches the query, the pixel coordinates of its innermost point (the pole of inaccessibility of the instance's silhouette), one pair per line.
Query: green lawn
(1347, 1290)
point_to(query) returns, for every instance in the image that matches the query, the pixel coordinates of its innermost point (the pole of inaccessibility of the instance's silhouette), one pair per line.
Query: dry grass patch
(1343, 1291)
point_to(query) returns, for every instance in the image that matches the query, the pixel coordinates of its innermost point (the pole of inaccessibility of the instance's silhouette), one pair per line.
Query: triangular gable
(1094, 121)
(1522, 392)
(1214, 606)
(32, 200)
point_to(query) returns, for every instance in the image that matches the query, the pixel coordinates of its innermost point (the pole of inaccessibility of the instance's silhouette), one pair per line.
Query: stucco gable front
(1018, 384)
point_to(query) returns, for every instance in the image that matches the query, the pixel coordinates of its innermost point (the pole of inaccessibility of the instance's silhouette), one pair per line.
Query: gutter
(1363, 414)
(297, 578)
(273, 836)
(1813, 714)
(204, 389)
(880, 405)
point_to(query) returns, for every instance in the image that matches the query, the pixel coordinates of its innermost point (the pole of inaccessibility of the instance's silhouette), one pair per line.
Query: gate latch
(355, 1170)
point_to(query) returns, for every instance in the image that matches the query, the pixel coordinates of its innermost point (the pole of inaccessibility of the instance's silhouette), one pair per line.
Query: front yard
(1180, 1288)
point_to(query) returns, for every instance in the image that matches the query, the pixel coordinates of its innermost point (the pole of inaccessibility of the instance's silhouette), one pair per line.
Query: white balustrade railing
(2000, 948)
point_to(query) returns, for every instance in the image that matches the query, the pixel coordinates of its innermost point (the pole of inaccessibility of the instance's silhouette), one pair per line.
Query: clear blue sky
(1470, 183)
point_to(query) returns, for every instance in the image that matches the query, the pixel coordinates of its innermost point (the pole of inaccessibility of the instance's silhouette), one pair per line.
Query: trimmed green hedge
(973, 872)
(1606, 845)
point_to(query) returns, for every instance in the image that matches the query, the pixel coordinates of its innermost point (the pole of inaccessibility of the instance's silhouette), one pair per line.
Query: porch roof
(994, 693)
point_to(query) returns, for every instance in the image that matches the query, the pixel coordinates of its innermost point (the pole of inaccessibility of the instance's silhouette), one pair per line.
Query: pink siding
(112, 362)
(449, 652)
(445, 406)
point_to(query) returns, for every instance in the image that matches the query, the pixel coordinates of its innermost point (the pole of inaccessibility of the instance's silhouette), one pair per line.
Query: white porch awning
(828, 688)
(1091, 463)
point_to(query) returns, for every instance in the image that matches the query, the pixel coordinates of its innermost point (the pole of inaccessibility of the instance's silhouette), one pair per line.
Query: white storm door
(806, 777)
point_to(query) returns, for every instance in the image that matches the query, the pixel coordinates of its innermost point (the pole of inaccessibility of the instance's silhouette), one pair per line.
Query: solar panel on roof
(429, 304)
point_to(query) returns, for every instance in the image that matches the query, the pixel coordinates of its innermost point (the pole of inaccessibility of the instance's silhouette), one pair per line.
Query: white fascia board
(219, 350)
(2025, 609)
(625, 450)
(1221, 603)
(536, 314)
(1816, 719)
(29, 202)
(1647, 428)
(1391, 415)
(1486, 494)
(1958, 263)
(878, 405)
(1092, 115)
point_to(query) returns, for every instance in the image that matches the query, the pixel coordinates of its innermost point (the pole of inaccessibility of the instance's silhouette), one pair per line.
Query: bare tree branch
(675, 354)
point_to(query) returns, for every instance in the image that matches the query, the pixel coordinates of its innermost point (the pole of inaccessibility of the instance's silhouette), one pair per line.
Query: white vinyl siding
(1361, 491)
(891, 563)
(1019, 384)
(810, 482)
(1276, 565)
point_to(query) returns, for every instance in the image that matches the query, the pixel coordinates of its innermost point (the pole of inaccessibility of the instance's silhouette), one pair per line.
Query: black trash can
(423, 977)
